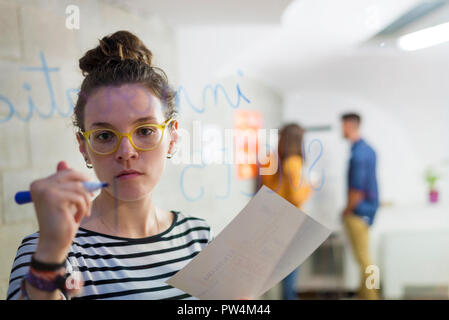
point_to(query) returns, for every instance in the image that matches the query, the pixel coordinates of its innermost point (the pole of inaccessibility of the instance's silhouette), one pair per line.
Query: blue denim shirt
(362, 177)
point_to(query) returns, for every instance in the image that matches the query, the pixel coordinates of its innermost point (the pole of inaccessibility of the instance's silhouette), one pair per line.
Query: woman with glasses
(119, 245)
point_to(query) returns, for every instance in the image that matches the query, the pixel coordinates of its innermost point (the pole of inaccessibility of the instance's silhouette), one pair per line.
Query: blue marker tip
(23, 197)
(93, 185)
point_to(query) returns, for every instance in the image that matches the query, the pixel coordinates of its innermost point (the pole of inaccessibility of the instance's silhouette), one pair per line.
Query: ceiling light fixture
(424, 38)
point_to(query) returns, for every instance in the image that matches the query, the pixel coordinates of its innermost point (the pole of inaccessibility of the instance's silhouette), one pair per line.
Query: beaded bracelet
(49, 277)
(46, 281)
(25, 295)
(44, 276)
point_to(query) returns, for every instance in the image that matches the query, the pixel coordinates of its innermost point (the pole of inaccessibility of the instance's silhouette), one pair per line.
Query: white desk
(411, 247)
(409, 244)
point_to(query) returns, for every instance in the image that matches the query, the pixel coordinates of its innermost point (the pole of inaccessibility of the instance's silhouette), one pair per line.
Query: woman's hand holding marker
(61, 202)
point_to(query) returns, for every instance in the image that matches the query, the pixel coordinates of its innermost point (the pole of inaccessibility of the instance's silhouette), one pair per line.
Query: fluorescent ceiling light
(425, 38)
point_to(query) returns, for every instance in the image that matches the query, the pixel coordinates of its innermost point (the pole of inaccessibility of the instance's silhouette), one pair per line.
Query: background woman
(289, 182)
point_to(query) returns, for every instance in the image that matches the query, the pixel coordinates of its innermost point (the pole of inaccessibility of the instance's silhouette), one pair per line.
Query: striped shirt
(123, 268)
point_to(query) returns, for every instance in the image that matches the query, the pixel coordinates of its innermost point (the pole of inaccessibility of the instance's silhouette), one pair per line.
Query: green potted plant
(431, 178)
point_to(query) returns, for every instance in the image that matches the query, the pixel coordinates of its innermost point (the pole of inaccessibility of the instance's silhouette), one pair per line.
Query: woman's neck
(129, 219)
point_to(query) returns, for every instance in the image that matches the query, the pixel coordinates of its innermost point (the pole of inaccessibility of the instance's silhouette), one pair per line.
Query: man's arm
(356, 183)
(354, 198)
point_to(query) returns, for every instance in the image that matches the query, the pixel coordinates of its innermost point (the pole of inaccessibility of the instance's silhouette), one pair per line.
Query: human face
(349, 129)
(124, 108)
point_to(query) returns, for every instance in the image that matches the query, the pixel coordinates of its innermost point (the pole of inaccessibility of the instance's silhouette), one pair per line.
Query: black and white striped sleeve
(21, 265)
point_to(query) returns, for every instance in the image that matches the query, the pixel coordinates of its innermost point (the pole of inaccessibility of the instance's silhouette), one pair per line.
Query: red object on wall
(246, 122)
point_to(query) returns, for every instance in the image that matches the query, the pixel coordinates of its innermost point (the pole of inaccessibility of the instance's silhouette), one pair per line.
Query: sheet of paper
(266, 241)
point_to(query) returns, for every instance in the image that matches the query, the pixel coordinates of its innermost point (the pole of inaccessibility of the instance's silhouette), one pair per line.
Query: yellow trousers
(358, 232)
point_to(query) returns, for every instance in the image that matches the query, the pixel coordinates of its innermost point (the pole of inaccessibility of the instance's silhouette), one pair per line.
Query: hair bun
(113, 49)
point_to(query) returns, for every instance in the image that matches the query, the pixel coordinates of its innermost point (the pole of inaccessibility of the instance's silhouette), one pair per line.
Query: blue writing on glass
(314, 162)
(181, 182)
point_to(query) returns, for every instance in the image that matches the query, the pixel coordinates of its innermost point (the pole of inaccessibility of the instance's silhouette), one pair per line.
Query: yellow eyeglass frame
(120, 135)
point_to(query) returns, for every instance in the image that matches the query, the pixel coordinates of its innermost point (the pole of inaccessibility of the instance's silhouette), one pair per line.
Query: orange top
(290, 185)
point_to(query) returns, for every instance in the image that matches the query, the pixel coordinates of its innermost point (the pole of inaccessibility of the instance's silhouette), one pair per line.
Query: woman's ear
(175, 124)
(82, 144)
(174, 136)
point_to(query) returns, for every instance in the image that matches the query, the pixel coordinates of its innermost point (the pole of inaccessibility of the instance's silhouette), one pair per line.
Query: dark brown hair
(351, 117)
(290, 141)
(121, 58)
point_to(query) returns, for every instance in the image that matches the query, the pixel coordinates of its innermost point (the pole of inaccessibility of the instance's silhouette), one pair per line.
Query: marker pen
(23, 197)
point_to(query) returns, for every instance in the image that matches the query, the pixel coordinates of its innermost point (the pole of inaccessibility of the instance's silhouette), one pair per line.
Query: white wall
(402, 98)
(403, 101)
